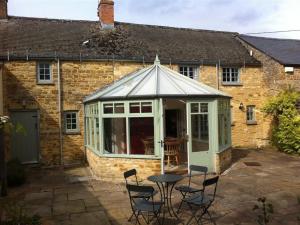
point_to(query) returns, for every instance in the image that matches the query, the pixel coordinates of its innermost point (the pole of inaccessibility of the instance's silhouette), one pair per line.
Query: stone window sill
(46, 83)
(231, 84)
(251, 123)
(72, 133)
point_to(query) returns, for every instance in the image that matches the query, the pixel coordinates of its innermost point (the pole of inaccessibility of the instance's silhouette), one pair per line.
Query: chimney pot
(106, 13)
(3, 9)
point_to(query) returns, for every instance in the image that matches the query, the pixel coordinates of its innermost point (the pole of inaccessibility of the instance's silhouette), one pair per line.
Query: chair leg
(130, 217)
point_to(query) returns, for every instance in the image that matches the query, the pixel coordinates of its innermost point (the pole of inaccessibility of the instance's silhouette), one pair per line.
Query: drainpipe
(59, 113)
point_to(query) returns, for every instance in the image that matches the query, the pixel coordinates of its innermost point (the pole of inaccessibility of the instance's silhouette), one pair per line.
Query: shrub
(286, 127)
(15, 173)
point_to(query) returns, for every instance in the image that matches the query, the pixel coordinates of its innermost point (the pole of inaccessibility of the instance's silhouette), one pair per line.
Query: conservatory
(157, 120)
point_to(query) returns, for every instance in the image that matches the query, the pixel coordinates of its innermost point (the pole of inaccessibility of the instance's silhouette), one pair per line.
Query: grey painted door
(25, 146)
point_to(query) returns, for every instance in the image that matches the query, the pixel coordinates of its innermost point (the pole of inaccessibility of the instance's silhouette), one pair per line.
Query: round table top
(167, 178)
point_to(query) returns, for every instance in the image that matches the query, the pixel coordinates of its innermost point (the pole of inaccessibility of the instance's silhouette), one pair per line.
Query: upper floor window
(231, 75)
(71, 122)
(44, 74)
(189, 71)
(251, 114)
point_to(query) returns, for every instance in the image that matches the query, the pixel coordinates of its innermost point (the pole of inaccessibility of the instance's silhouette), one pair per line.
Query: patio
(73, 196)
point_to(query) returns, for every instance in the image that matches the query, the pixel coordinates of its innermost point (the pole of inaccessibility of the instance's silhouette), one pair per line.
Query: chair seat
(198, 199)
(144, 194)
(147, 206)
(187, 189)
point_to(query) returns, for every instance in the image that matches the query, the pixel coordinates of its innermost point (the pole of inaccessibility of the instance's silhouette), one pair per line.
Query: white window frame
(127, 115)
(253, 114)
(188, 68)
(44, 81)
(231, 72)
(71, 131)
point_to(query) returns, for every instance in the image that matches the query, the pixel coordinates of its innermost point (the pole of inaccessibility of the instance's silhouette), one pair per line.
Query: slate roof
(38, 38)
(154, 81)
(285, 51)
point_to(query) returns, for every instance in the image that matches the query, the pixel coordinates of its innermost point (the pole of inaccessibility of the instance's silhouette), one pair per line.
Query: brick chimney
(3, 9)
(106, 13)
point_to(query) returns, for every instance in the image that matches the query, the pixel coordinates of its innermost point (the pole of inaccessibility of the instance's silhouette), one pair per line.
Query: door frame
(37, 111)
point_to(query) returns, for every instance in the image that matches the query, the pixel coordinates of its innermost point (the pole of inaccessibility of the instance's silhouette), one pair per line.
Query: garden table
(166, 183)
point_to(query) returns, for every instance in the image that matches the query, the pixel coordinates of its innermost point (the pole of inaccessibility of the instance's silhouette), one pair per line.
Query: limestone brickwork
(223, 160)
(79, 79)
(113, 168)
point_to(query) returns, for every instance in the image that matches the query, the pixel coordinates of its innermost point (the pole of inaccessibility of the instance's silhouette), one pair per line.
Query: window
(231, 75)
(251, 114)
(199, 123)
(189, 71)
(224, 129)
(71, 122)
(128, 128)
(92, 127)
(44, 73)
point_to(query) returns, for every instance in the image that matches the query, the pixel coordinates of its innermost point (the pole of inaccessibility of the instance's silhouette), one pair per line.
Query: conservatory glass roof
(154, 82)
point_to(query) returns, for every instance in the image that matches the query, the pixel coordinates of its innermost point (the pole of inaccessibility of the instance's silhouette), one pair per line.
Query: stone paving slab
(54, 196)
(68, 207)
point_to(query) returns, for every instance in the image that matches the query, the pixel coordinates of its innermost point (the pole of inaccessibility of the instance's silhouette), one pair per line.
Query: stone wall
(113, 168)
(223, 160)
(79, 79)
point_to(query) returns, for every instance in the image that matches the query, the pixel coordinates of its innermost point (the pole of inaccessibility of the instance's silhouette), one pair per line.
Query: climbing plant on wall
(286, 121)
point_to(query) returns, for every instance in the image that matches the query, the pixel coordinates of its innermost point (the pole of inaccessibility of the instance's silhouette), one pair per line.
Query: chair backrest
(172, 147)
(211, 182)
(199, 170)
(130, 173)
(134, 190)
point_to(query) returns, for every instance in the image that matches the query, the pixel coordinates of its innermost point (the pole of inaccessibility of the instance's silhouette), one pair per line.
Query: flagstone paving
(75, 197)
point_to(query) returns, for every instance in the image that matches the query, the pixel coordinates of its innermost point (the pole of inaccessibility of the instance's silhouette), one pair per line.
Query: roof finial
(157, 61)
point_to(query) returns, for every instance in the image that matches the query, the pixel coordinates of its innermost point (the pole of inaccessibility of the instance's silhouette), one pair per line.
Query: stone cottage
(49, 65)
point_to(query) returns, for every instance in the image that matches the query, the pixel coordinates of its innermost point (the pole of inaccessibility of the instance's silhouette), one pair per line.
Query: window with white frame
(231, 75)
(71, 122)
(44, 74)
(224, 129)
(189, 71)
(250, 114)
(92, 137)
(128, 128)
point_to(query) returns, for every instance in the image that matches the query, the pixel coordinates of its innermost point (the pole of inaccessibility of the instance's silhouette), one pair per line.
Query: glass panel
(204, 107)
(97, 141)
(146, 107)
(141, 136)
(92, 132)
(114, 135)
(200, 135)
(134, 107)
(194, 108)
(119, 107)
(107, 108)
(87, 131)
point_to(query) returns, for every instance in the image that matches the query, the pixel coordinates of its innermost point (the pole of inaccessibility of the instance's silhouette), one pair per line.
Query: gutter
(59, 113)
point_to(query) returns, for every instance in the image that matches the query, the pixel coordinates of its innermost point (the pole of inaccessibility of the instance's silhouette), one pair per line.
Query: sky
(243, 16)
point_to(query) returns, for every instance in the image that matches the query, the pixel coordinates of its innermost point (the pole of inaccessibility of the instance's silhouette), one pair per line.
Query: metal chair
(188, 189)
(141, 206)
(133, 174)
(203, 200)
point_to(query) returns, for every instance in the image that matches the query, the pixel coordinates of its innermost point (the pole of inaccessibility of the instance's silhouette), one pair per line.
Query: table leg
(170, 199)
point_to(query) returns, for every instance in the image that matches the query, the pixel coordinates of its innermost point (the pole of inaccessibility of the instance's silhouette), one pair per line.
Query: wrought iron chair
(141, 206)
(203, 200)
(188, 189)
(133, 174)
